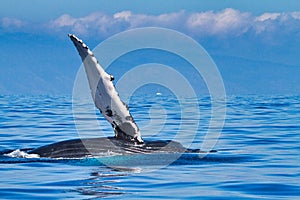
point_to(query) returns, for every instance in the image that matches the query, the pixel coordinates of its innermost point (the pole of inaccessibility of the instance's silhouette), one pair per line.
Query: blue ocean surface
(257, 153)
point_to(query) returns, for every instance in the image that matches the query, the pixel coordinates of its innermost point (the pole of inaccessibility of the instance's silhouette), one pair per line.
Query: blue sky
(41, 10)
(255, 44)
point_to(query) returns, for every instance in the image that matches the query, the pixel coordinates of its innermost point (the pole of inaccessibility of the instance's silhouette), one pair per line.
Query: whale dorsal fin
(105, 95)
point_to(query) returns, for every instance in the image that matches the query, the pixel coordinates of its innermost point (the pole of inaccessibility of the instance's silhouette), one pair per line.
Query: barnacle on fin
(112, 78)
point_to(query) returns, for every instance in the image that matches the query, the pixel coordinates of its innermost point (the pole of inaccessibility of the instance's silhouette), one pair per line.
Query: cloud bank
(223, 24)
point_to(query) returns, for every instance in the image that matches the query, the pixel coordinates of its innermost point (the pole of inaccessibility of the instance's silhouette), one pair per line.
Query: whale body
(111, 146)
(127, 139)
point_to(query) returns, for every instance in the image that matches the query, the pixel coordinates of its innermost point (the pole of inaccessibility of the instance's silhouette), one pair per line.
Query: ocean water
(257, 154)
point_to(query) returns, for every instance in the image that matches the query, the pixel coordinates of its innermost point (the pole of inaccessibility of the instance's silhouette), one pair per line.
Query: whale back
(99, 147)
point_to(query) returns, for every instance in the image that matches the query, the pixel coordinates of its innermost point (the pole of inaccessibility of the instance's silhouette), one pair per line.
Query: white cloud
(266, 23)
(296, 15)
(90, 25)
(124, 15)
(8, 22)
(228, 21)
(64, 20)
(267, 16)
(277, 24)
(171, 20)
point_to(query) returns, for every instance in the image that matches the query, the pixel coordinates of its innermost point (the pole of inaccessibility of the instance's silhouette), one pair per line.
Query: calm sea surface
(257, 154)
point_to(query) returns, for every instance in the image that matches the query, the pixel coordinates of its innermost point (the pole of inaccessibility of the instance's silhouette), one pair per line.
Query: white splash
(21, 154)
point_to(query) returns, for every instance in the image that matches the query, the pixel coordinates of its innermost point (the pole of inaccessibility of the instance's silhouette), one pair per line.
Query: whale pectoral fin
(105, 95)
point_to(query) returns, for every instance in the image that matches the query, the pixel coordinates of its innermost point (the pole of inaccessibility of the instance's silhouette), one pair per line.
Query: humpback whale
(127, 139)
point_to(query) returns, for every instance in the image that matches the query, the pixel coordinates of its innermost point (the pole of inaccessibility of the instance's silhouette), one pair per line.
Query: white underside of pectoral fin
(105, 95)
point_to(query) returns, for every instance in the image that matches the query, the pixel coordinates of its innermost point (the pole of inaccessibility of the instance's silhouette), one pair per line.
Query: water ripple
(257, 154)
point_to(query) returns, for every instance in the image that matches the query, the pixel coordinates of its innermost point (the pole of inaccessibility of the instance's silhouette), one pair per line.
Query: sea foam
(21, 154)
